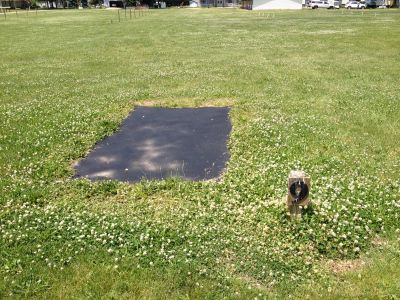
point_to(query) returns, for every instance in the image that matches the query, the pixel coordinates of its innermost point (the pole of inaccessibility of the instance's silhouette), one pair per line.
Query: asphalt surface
(157, 143)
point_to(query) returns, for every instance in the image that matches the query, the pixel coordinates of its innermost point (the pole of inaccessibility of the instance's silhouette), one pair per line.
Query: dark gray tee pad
(156, 143)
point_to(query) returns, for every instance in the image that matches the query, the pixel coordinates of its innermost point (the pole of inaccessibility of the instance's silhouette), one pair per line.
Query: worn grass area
(315, 90)
(373, 276)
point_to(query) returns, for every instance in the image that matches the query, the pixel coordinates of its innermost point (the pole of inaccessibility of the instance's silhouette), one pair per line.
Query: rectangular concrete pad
(157, 143)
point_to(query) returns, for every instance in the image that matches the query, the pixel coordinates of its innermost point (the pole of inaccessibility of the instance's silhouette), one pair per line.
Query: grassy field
(314, 90)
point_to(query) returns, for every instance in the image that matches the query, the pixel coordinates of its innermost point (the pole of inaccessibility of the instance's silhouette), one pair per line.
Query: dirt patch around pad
(186, 102)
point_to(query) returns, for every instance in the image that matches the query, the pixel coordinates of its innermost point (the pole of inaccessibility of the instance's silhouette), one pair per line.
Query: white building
(219, 3)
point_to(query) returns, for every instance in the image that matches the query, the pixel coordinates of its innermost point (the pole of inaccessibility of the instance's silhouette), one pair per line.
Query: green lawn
(316, 90)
